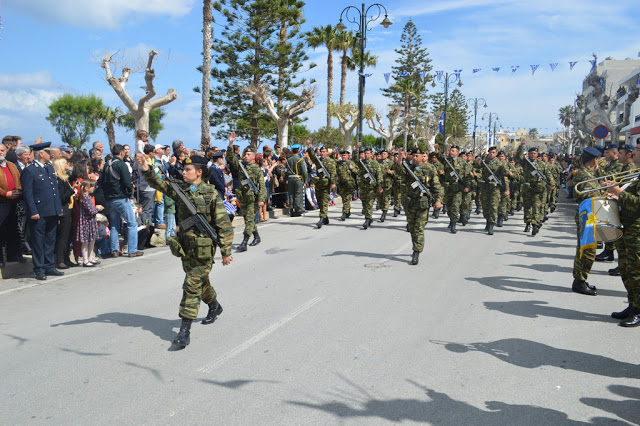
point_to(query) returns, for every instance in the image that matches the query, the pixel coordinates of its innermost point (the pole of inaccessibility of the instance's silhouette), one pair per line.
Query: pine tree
(457, 112)
(413, 59)
(260, 44)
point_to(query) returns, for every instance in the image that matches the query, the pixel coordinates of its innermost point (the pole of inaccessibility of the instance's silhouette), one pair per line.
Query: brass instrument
(619, 179)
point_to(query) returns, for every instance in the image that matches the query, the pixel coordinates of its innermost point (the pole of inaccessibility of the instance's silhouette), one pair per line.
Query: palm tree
(344, 44)
(565, 115)
(110, 117)
(325, 36)
(353, 62)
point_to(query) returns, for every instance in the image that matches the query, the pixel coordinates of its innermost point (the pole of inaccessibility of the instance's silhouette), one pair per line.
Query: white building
(630, 132)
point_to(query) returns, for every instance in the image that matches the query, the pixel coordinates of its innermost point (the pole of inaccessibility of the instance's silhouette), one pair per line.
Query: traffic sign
(601, 131)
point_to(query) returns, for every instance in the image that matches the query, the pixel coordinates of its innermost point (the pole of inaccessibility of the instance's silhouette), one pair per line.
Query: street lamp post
(492, 116)
(477, 102)
(447, 80)
(362, 22)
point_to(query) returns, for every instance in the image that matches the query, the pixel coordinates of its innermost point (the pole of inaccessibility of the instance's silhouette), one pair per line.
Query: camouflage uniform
(490, 191)
(346, 182)
(477, 194)
(368, 190)
(387, 184)
(582, 265)
(297, 176)
(454, 190)
(247, 198)
(629, 244)
(197, 250)
(505, 200)
(533, 189)
(323, 183)
(417, 205)
(516, 185)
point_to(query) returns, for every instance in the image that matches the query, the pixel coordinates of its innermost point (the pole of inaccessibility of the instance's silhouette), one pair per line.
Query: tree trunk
(207, 18)
(329, 85)
(343, 78)
(255, 131)
(111, 134)
(283, 132)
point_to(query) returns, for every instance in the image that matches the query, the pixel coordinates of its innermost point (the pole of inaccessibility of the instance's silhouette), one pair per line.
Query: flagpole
(476, 103)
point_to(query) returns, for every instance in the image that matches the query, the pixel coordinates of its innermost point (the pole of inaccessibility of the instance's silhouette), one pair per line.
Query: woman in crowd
(63, 233)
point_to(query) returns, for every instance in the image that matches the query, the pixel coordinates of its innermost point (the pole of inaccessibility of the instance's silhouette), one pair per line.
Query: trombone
(618, 179)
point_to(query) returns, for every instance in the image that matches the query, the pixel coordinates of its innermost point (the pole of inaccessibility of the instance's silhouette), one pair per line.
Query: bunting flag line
(534, 68)
(422, 74)
(593, 64)
(442, 118)
(386, 76)
(364, 79)
(439, 75)
(475, 70)
(553, 66)
(514, 68)
(496, 69)
(404, 74)
(572, 64)
(457, 73)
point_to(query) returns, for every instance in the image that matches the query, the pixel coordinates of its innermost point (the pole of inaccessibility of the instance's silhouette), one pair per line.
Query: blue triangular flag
(475, 70)
(439, 75)
(364, 80)
(572, 64)
(404, 74)
(386, 76)
(496, 69)
(422, 75)
(534, 68)
(442, 118)
(514, 68)
(457, 73)
(553, 66)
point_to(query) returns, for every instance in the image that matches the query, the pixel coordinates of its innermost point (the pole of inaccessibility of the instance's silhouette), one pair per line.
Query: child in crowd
(87, 230)
(103, 247)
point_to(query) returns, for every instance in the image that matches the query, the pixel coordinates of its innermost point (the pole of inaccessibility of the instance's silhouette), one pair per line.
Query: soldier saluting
(195, 247)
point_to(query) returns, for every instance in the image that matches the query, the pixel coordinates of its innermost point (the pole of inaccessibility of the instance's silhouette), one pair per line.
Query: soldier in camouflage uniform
(505, 197)
(454, 189)
(516, 186)
(416, 203)
(250, 202)
(467, 197)
(346, 182)
(386, 168)
(533, 188)
(369, 186)
(582, 264)
(629, 246)
(195, 248)
(324, 184)
(477, 172)
(297, 177)
(556, 171)
(396, 189)
(433, 160)
(491, 190)
(611, 167)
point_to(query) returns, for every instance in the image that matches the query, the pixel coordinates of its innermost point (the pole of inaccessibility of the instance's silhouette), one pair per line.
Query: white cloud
(29, 101)
(99, 13)
(32, 80)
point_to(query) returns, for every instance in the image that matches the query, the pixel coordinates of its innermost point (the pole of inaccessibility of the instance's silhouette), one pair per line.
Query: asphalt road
(330, 326)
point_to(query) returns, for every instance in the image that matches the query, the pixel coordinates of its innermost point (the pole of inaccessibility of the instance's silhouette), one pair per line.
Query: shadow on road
(163, 328)
(386, 256)
(536, 308)
(517, 285)
(628, 409)
(235, 384)
(529, 354)
(439, 408)
(537, 255)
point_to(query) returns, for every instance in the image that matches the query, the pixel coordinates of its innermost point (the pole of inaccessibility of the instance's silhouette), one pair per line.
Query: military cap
(249, 149)
(368, 149)
(296, 146)
(416, 150)
(600, 149)
(64, 148)
(456, 147)
(626, 147)
(492, 148)
(196, 160)
(610, 146)
(382, 150)
(533, 149)
(40, 146)
(344, 151)
(218, 154)
(593, 152)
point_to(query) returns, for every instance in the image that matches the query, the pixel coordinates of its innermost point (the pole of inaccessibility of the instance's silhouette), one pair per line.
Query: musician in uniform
(533, 188)
(629, 245)
(297, 177)
(324, 184)
(582, 264)
(250, 201)
(611, 167)
(346, 171)
(416, 202)
(369, 182)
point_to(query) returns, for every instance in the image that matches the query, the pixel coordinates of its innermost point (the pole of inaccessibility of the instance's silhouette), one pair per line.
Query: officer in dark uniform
(40, 194)
(217, 176)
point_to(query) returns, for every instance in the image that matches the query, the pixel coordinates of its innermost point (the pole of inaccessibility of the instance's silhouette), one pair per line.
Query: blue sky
(52, 47)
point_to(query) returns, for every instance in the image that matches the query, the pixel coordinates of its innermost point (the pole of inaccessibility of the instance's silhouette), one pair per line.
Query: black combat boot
(320, 223)
(183, 339)
(535, 230)
(490, 229)
(605, 256)
(622, 314)
(511, 212)
(325, 221)
(348, 215)
(527, 228)
(464, 219)
(436, 213)
(452, 227)
(407, 227)
(384, 216)
(552, 208)
(215, 309)
(486, 227)
(583, 287)
(614, 272)
(243, 244)
(546, 218)
(518, 206)
(444, 209)
(633, 320)
(366, 223)
(505, 217)
(500, 219)
(256, 239)
(396, 212)
(477, 209)
(415, 257)
(343, 217)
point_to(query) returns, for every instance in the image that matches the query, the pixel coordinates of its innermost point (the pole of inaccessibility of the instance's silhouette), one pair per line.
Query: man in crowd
(217, 175)
(97, 145)
(533, 188)
(117, 187)
(611, 167)
(297, 177)
(10, 191)
(324, 181)
(40, 193)
(24, 157)
(11, 143)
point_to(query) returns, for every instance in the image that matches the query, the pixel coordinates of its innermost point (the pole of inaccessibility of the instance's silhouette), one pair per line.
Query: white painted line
(255, 339)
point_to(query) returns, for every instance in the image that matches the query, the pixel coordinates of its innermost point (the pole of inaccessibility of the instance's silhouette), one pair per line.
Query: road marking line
(255, 339)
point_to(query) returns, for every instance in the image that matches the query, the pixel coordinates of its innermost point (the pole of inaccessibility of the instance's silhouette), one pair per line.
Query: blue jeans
(118, 208)
(170, 220)
(158, 213)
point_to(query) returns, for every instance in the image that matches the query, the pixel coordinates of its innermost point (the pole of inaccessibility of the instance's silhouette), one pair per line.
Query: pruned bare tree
(139, 111)
(305, 102)
(347, 116)
(388, 133)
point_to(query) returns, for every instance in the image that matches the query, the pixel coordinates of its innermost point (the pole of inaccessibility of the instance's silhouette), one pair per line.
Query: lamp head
(433, 84)
(459, 83)
(386, 22)
(341, 27)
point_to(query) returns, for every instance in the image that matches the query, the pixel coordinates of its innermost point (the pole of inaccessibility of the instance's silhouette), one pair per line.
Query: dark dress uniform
(40, 193)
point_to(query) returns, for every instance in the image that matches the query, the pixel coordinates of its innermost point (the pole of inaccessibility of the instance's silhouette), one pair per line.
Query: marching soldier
(490, 190)
(324, 181)
(397, 185)
(195, 248)
(505, 197)
(383, 198)
(516, 186)
(582, 264)
(369, 183)
(477, 172)
(611, 167)
(346, 170)
(416, 202)
(556, 170)
(533, 188)
(297, 177)
(454, 188)
(433, 160)
(251, 193)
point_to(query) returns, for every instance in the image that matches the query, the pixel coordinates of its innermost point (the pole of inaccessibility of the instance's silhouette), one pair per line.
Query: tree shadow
(235, 384)
(161, 327)
(154, 371)
(21, 340)
(521, 285)
(628, 410)
(544, 244)
(546, 267)
(536, 308)
(529, 354)
(439, 408)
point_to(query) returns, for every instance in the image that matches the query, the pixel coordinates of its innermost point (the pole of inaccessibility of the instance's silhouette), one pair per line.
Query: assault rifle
(418, 183)
(368, 174)
(492, 176)
(323, 169)
(536, 172)
(248, 181)
(454, 172)
(196, 219)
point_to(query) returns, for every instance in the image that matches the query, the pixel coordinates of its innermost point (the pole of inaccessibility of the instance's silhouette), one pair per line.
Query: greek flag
(496, 69)
(441, 122)
(586, 225)
(553, 66)
(457, 73)
(514, 68)
(475, 70)
(404, 74)
(534, 68)
(572, 64)
(593, 64)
